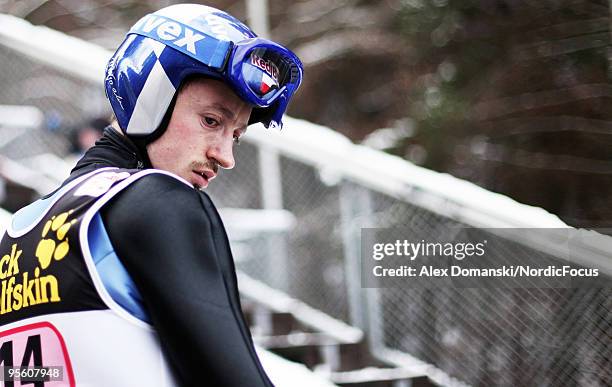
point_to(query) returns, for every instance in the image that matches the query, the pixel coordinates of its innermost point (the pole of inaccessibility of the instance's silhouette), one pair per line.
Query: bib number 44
(34, 355)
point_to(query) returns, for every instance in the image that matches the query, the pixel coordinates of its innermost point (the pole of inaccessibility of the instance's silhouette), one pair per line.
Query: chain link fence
(483, 337)
(494, 336)
(24, 82)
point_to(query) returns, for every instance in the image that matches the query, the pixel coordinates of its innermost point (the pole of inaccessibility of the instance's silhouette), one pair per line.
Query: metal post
(257, 14)
(272, 198)
(270, 175)
(355, 207)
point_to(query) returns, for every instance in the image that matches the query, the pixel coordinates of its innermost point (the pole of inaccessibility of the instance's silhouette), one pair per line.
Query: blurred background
(514, 96)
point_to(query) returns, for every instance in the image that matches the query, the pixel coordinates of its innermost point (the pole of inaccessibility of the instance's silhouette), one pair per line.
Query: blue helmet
(164, 48)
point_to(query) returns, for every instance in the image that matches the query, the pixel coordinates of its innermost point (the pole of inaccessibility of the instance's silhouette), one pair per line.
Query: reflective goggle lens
(266, 72)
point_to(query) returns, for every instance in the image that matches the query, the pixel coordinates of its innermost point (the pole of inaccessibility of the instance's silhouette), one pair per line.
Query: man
(124, 275)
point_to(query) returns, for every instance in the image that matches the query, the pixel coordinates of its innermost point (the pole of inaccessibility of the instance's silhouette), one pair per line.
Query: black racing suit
(172, 242)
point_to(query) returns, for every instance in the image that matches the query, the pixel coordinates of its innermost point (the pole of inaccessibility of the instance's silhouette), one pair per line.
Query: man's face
(207, 120)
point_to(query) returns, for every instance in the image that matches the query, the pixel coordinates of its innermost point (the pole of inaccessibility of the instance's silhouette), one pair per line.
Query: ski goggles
(262, 73)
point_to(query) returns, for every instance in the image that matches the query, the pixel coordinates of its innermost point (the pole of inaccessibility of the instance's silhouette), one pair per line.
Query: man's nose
(223, 153)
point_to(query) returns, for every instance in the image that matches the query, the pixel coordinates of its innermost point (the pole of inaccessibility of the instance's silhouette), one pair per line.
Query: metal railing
(332, 189)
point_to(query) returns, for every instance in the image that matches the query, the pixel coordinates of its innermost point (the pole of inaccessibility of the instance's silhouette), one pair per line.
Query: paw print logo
(57, 247)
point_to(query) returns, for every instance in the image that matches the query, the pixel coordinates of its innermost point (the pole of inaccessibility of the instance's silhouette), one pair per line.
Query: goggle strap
(203, 47)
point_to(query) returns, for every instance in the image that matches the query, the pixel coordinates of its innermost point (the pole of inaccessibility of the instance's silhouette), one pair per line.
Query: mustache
(213, 165)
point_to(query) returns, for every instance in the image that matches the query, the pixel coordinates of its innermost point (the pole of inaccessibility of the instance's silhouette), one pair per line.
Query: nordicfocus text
(505, 271)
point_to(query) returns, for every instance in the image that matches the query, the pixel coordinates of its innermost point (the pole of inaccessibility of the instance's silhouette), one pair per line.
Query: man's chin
(199, 187)
(198, 181)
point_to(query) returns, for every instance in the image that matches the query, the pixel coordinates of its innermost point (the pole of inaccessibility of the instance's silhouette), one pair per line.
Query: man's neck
(114, 149)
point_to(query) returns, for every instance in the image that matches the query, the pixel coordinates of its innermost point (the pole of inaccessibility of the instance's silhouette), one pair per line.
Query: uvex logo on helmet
(171, 31)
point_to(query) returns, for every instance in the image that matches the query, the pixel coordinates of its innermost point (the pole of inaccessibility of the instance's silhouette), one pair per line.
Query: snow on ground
(285, 373)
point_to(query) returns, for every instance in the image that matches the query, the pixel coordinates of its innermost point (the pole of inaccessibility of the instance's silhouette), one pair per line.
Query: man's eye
(211, 121)
(236, 139)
